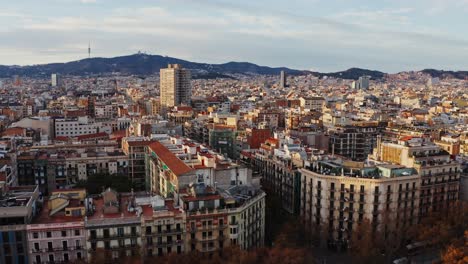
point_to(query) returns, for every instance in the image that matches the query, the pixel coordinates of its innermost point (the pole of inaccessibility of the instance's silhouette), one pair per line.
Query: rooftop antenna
(89, 49)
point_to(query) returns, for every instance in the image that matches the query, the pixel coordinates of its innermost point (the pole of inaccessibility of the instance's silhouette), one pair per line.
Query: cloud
(88, 1)
(436, 7)
(384, 39)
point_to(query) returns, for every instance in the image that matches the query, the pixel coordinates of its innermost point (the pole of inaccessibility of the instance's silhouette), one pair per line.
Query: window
(64, 233)
(38, 259)
(36, 246)
(5, 237)
(35, 235)
(77, 232)
(49, 234)
(49, 246)
(78, 255)
(19, 236)
(120, 232)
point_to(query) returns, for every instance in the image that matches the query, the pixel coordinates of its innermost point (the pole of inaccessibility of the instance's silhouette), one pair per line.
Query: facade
(312, 103)
(222, 138)
(283, 80)
(354, 141)
(280, 176)
(363, 83)
(218, 219)
(335, 199)
(18, 206)
(175, 87)
(440, 174)
(134, 149)
(112, 226)
(72, 127)
(65, 168)
(57, 234)
(56, 242)
(162, 225)
(55, 80)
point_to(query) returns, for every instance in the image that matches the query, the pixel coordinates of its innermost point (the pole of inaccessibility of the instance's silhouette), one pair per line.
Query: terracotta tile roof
(91, 136)
(14, 131)
(139, 143)
(177, 166)
(406, 138)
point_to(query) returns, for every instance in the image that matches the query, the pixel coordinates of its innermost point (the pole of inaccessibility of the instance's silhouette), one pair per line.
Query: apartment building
(354, 141)
(335, 198)
(175, 87)
(217, 218)
(134, 149)
(162, 225)
(312, 103)
(57, 234)
(440, 174)
(52, 169)
(112, 225)
(73, 127)
(18, 206)
(174, 163)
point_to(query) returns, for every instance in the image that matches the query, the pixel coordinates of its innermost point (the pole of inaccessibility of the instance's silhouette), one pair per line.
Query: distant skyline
(319, 35)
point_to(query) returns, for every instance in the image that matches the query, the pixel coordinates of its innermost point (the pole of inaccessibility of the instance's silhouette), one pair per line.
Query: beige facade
(440, 174)
(175, 87)
(337, 203)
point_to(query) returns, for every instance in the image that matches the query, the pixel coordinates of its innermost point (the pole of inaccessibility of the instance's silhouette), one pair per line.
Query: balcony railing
(164, 232)
(56, 249)
(116, 236)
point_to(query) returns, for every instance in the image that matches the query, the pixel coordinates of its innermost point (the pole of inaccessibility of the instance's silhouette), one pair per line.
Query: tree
(457, 252)
(441, 228)
(365, 247)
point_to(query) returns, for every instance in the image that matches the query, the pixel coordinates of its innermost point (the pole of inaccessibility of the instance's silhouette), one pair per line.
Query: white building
(73, 127)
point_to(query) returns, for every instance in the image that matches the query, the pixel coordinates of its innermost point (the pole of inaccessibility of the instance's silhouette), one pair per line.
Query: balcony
(208, 249)
(212, 227)
(112, 237)
(57, 249)
(120, 247)
(165, 232)
(168, 243)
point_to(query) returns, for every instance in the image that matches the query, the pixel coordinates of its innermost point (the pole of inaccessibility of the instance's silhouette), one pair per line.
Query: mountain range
(145, 64)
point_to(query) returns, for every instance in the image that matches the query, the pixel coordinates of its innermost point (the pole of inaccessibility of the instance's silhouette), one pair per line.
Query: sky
(321, 35)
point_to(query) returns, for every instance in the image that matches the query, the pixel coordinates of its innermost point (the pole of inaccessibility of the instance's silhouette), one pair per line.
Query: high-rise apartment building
(283, 81)
(55, 80)
(175, 87)
(363, 82)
